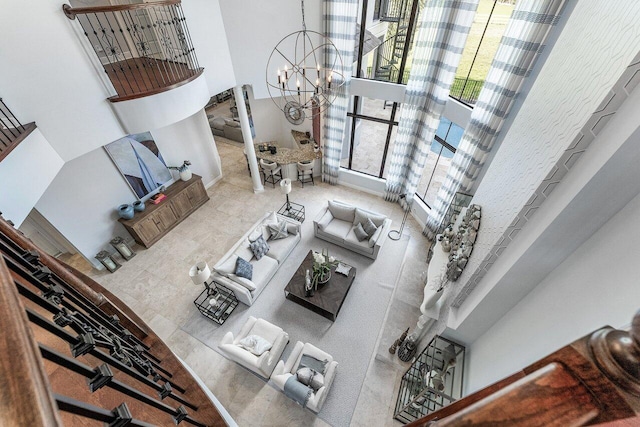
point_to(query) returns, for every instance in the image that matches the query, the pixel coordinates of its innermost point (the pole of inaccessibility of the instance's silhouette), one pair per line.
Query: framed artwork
(138, 159)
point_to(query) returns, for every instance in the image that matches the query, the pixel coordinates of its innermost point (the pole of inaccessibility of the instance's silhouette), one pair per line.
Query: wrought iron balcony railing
(12, 132)
(145, 48)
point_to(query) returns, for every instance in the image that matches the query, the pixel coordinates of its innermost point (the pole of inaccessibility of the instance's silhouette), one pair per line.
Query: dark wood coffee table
(328, 299)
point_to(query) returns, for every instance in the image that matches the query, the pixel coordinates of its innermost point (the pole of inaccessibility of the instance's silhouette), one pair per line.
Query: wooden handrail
(71, 12)
(594, 380)
(95, 297)
(26, 398)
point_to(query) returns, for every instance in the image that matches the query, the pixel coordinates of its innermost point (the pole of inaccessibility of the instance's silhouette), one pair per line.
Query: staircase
(398, 13)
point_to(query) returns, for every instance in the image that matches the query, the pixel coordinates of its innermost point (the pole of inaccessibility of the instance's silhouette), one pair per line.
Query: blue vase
(138, 206)
(126, 211)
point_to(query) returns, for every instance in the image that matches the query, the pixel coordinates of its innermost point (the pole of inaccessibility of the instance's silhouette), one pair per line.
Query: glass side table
(226, 302)
(292, 210)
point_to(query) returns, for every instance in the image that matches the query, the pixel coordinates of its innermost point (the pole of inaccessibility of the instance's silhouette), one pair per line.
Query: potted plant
(183, 170)
(322, 264)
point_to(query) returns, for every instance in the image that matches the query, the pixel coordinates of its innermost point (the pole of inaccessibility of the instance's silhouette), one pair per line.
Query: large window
(484, 37)
(443, 148)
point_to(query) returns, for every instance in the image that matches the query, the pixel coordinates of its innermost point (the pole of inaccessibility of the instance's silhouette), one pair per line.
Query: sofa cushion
(217, 123)
(259, 247)
(338, 228)
(231, 123)
(361, 216)
(309, 361)
(263, 269)
(227, 267)
(244, 268)
(361, 235)
(342, 211)
(326, 219)
(247, 283)
(281, 248)
(244, 250)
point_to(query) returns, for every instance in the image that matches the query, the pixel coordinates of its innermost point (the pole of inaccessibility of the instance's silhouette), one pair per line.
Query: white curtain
(521, 44)
(340, 24)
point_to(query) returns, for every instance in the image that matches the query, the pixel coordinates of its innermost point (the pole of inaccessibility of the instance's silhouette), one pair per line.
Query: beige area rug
(351, 339)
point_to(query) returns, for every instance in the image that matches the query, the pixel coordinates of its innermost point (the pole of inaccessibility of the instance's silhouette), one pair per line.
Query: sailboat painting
(138, 159)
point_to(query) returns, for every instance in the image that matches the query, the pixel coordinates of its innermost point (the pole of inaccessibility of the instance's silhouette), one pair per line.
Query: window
(371, 135)
(439, 158)
(484, 37)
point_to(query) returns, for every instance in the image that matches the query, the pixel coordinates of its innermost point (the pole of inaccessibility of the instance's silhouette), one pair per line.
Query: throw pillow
(311, 362)
(360, 233)
(311, 378)
(255, 344)
(342, 211)
(271, 219)
(325, 220)
(292, 229)
(373, 239)
(369, 227)
(244, 268)
(259, 247)
(278, 231)
(361, 216)
(255, 234)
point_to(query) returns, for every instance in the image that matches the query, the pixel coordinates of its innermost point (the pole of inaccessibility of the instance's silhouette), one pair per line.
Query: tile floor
(156, 285)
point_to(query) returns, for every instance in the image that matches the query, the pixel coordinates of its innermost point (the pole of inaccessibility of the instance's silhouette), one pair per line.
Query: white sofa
(264, 364)
(246, 291)
(336, 224)
(283, 371)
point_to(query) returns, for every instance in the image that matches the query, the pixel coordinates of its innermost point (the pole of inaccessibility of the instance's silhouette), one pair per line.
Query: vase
(186, 174)
(126, 211)
(431, 297)
(138, 206)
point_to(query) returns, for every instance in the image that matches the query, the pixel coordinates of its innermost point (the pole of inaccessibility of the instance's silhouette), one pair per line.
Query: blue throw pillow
(259, 247)
(244, 268)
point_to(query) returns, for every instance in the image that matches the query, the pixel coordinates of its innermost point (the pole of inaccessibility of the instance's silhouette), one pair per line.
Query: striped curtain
(438, 47)
(340, 27)
(521, 44)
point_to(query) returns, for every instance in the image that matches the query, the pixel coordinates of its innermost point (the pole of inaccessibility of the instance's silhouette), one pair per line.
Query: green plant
(322, 264)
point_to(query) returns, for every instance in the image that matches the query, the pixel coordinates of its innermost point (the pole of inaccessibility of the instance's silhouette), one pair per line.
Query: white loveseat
(263, 269)
(336, 224)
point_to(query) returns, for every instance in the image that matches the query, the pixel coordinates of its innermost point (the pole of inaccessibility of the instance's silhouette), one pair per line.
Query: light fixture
(396, 234)
(285, 188)
(199, 274)
(122, 247)
(302, 86)
(105, 258)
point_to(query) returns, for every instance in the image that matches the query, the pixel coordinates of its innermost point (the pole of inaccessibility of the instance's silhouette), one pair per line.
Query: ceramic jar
(126, 211)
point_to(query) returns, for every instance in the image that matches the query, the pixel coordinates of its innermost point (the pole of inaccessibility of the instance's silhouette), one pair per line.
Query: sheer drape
(521, 44)
(438, 46)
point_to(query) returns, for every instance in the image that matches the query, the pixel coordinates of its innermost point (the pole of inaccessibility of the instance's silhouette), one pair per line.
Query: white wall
(48, 78)
(209, 37)
(81, 202)
(254, 27)
(596, 286)
(25, 174)
(191, 139)
(581, 69)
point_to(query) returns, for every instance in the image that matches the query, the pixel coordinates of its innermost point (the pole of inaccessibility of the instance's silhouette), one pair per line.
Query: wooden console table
(183, 198)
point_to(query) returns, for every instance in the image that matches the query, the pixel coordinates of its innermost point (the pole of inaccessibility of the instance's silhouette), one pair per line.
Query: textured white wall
(597, 44)
(595, 286)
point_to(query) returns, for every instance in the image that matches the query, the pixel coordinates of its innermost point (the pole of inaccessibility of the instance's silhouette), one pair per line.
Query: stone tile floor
(156, 285)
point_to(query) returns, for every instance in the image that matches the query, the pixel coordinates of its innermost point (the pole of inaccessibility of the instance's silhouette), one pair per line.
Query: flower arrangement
(181, 168)
(322, 264)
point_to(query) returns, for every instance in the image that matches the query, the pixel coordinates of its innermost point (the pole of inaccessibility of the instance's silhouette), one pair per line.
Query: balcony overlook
(144, 48)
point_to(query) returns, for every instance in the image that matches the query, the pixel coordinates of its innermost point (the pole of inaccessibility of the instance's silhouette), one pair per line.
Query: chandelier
(302, 86)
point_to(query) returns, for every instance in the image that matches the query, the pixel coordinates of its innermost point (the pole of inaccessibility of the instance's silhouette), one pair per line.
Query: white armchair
(264, 364)
(284, 370)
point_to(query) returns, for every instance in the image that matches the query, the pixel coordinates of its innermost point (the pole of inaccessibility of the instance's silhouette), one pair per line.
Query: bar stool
(271, 172)
(305, 168)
